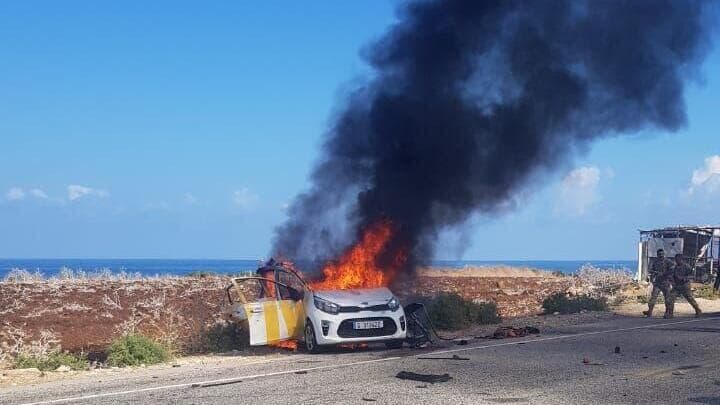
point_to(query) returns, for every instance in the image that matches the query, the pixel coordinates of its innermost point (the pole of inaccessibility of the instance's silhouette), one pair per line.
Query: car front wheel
(310, 341)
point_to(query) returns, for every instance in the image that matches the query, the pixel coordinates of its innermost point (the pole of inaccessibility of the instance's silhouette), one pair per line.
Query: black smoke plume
(470, 99)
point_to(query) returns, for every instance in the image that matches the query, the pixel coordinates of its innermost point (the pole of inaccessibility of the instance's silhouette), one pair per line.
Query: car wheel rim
(309, 338)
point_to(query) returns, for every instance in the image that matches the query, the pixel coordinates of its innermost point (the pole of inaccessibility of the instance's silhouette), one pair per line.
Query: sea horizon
(152, 267)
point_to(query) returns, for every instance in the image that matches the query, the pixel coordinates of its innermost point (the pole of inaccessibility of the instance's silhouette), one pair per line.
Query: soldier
(681, 285)
(660, 273)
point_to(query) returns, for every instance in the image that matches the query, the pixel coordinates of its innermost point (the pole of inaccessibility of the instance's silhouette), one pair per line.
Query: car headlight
(393, 304)
(326, 306)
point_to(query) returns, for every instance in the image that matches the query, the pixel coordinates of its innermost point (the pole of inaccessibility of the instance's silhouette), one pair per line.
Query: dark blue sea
(153, 267)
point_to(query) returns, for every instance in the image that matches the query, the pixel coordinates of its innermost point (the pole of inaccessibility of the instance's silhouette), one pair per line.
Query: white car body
(363, 316)
(286, 310)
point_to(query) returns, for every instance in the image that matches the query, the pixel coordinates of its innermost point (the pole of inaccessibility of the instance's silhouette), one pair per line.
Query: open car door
(274, 311)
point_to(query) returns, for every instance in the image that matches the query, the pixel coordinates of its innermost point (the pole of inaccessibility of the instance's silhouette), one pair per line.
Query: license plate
(368, 325)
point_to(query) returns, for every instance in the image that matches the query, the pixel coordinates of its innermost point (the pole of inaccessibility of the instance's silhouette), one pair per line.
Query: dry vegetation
(482, 271)
(84, 312)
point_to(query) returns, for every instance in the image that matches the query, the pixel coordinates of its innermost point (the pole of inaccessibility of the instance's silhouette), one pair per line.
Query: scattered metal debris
(428, 378)
(504, 332)
(454, 357)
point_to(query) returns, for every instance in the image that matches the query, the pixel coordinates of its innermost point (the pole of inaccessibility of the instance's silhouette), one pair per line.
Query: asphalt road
(660, 361)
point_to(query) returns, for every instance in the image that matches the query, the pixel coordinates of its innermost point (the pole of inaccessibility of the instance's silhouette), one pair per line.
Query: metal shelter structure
(699, 244)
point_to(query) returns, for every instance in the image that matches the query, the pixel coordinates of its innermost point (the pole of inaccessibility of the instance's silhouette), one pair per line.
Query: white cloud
(18, 193)
(244, 198)
(157, 206)
(76, 192)
(15, 194)
(579, 191)
(708, 177)
(189, 199)
(37, 193)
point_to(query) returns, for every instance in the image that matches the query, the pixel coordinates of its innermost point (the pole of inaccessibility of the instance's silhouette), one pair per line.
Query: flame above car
(359, 266)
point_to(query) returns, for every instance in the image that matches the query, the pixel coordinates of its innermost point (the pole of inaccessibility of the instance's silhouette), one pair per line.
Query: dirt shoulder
(260, 355)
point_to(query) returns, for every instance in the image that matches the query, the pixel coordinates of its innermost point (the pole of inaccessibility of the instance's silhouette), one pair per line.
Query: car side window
(296, 288)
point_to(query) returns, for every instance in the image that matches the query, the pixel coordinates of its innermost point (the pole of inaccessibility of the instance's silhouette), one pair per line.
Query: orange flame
(357, 267)
(291, 345)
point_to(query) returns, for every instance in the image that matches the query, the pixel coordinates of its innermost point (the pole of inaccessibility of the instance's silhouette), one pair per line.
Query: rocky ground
(516, 291)
(84, 315)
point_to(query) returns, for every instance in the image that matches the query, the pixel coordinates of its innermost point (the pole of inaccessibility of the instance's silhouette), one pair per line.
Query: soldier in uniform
(660, 273)
(681, 285)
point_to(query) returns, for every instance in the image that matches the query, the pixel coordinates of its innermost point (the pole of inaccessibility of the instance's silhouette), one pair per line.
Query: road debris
(215, 384)
(428, 378)
(617, 349)
(505, 332)
(587, 362)
(454, 357)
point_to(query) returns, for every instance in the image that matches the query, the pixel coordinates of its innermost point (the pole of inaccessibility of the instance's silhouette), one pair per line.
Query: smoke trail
(470, 98)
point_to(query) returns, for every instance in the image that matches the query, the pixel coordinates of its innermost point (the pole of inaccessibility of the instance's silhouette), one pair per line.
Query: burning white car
(279, 306)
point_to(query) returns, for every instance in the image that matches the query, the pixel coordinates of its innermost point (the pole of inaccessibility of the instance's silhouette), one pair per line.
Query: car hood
(366, 296)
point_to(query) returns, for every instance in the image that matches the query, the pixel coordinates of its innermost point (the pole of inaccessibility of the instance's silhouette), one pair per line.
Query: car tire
(394, 344)
(311, 344)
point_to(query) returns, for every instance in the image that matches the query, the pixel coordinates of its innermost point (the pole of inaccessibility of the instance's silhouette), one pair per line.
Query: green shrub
(52, 361)
(707, 292)
(451, 311)
(134, 350)
(560, 302)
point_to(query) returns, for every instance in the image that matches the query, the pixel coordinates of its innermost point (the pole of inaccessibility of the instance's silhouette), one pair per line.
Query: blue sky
(167, 130)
